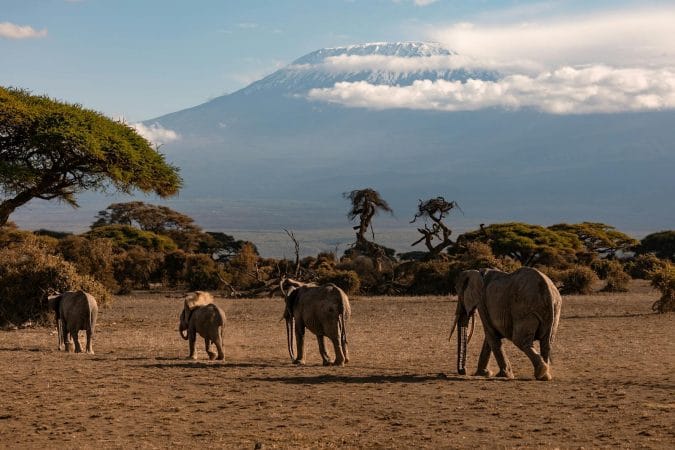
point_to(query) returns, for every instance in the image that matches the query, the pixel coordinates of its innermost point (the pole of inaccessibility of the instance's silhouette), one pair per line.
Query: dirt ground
(614, 382)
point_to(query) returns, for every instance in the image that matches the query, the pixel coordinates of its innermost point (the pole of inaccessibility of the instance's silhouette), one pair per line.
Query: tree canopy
(662, 244)
(435, 209)
(53, 150)
(599, 238)
(528, 244)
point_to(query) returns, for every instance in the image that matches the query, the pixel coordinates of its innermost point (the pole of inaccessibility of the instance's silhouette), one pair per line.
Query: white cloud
(359, 63)
(155, 133)
(629, 37)
(9, 30)
(424, 2)
(567, 90)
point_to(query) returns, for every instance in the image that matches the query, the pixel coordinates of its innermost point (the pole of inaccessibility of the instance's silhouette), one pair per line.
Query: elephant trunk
(290, 331)
(182, 328)
(462, 338)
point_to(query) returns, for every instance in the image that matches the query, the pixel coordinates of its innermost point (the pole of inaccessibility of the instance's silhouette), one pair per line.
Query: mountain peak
(319, 69)
(400, 49)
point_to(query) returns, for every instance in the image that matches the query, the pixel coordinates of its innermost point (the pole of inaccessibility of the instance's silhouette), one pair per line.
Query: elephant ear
(470, 289)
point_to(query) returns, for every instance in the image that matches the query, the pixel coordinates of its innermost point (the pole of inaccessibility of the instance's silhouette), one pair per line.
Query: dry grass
(614, 369)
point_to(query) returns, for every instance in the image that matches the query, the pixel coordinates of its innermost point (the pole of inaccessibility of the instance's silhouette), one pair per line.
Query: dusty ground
(614, 369)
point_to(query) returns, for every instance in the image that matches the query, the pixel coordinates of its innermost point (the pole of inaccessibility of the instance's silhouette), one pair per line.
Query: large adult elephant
(523, 306)
(324, 310)
(75, 311)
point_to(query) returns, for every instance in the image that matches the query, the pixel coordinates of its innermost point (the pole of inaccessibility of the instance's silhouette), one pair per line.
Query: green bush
(642, 266)
(664, 281)
(578, 280)
(92, 257)
(28, 271)
(347, 280)
(432, 278)
(137, 268)
(203, 273)
(617, 279)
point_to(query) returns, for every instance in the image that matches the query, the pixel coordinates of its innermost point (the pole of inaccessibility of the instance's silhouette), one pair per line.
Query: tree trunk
(8, 206)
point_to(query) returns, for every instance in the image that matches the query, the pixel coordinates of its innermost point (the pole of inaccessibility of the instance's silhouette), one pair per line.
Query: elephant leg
(502, 360)
(76, 340)
(545, 347)
(322, 350)
(483, 359)
(192, 338)
(523, 337)
(300, 339)
(90, 335)
(207, 347)
(339, 356)
(219, 346)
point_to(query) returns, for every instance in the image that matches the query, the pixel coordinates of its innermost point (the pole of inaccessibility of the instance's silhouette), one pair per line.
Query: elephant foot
(505, 374)
(90, 352)
(299, 362)
(482, 373)
(192, 357)
(327, 363)
(542, 373)
(461, 372)
(339, 363)
(212, 355)
(220, 357)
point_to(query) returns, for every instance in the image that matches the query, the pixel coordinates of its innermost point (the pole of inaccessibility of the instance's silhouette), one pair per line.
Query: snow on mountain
(399, 63)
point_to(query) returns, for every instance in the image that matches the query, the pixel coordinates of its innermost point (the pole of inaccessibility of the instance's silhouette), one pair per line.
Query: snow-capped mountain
(404, 62)
(269, 157)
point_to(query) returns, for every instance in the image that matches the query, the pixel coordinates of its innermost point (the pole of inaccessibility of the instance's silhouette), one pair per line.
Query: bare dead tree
(365, 203)
(435, 209)
(296, 246)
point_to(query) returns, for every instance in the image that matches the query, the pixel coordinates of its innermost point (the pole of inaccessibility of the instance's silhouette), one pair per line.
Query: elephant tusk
(473, 325)
(452, 330)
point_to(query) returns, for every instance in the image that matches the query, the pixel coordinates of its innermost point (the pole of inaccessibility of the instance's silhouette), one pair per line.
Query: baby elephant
(75, 311)
(201, 315)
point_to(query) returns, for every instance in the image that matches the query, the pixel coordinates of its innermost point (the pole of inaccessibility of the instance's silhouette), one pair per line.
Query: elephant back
(196, 299)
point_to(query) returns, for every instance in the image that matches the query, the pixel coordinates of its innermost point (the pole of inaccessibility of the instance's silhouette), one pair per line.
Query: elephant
(324, 310)
(201, 315)
(75, 311)
(522, 306)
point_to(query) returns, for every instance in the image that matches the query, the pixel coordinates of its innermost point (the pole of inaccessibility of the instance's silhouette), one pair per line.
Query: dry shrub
(664, 281)
(202, 273)
(617, 279)
(578, 280)
(137, 268)
(366, 269)
(433, 278)
(347, 280)
(28, 271)
(242, 268)
(92, 257)
(642, 266)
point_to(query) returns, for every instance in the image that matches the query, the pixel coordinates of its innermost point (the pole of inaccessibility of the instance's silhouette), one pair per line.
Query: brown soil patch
(614, 385)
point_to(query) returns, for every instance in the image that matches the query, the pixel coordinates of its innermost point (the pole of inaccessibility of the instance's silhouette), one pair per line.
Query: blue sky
(143, 58)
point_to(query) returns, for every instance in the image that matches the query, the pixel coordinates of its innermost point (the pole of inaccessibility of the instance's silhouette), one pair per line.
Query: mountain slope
(265, 157)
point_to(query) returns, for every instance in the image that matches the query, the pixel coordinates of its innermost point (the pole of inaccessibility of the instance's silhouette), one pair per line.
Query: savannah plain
(613, 386)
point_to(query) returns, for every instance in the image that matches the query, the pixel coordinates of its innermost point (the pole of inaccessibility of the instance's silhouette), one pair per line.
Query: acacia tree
(598, 238)
(528, 244)
(365, 204)
(435, 209)
(52, 150)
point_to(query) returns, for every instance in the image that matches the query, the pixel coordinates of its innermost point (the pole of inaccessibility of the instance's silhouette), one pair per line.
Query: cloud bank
(9, 30)
(629, 37)
(608, 62)
(568, 90)
(155, 133)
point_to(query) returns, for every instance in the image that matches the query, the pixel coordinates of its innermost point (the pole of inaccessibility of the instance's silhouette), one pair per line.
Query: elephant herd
(523, 306)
